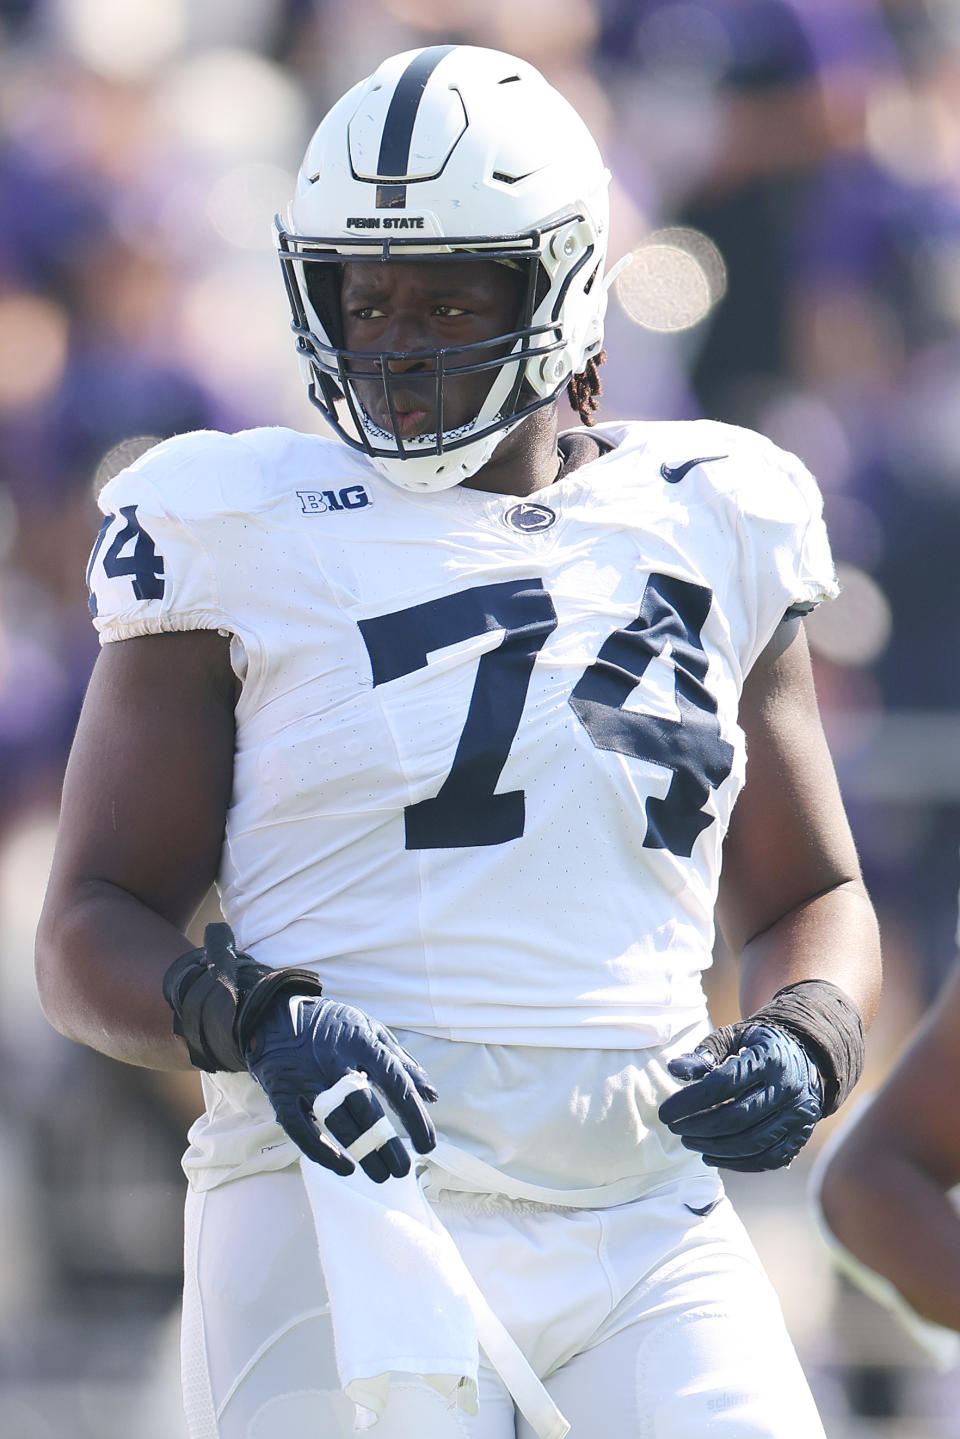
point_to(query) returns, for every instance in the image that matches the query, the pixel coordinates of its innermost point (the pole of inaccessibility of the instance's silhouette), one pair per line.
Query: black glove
(236, 1014)
(217, 997)
(317, 1060)
(751, 1098)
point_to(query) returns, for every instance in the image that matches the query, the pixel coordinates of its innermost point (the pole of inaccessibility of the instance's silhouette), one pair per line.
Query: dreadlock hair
(585, 389)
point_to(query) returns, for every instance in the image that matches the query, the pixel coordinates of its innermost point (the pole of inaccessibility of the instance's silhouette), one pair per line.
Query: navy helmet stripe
(402, 114)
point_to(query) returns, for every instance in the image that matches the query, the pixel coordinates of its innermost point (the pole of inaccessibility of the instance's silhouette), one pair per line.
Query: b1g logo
(321, 502)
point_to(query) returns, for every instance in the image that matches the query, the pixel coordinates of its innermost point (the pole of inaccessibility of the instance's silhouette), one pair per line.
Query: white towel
(403, 1302)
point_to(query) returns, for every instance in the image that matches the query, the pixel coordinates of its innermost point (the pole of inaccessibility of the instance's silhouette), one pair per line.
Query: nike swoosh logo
(673, 474)
(707, 1208)
(296, 1005)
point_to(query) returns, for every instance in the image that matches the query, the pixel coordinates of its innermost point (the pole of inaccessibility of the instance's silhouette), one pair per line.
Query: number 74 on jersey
(466, 810)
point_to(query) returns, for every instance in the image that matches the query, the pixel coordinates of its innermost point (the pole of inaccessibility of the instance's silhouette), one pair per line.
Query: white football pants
(644, 1321)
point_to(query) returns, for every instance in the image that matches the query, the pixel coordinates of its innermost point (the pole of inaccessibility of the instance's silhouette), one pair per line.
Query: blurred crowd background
(788, 175)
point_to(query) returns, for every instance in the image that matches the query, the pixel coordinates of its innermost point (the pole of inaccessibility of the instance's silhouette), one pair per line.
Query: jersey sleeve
(154, 565)
(785, 563)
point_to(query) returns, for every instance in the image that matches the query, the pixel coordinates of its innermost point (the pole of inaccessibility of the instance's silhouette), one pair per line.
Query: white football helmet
(448, 151)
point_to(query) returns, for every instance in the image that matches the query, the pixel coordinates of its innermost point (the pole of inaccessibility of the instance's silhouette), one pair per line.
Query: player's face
(411, 306)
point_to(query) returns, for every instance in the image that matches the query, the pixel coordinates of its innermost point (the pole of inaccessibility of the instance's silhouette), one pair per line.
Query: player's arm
(884, 1190)
(792, 900)
(794, 910)
(142, 823)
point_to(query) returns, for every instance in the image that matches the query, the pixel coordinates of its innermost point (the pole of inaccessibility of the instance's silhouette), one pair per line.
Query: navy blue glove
(751, 1106)
(318, 1063)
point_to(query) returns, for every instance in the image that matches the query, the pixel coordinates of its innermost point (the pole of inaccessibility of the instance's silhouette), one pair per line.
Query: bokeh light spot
(913, 135)
(119, 456)
(33, 349)
(120, 40)
(243, 202)
(676, 277)
(855, 628)
(232, 102)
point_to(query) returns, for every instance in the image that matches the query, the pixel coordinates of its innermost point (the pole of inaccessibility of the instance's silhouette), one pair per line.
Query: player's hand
(319, 1063)
(750, 1100)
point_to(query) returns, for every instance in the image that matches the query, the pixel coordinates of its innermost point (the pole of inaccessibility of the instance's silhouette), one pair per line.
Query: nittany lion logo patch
(529, 517)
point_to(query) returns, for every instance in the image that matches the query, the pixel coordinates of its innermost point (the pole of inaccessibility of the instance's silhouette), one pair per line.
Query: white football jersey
(487, 748)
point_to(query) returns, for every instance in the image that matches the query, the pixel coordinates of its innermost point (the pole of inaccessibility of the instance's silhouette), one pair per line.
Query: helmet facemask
(342, 382)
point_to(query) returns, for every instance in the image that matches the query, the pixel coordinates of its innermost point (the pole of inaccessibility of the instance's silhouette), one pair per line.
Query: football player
(455, 704)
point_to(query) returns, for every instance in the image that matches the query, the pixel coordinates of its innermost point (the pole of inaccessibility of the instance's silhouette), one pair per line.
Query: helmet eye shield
(401, 402)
